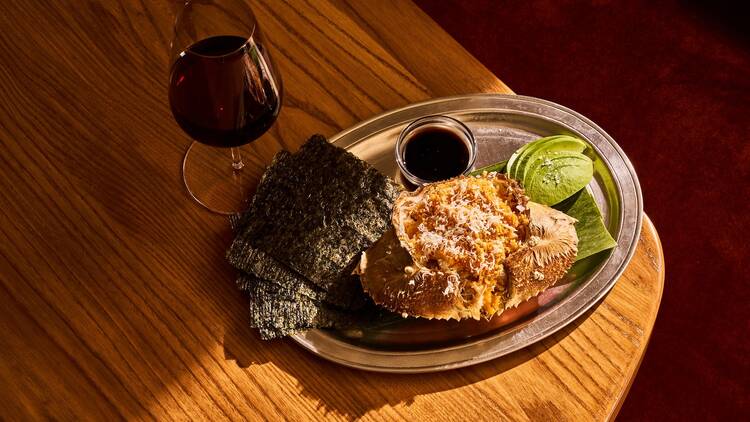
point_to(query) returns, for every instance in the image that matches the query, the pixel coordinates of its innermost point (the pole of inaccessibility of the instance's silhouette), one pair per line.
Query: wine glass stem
(237, 163)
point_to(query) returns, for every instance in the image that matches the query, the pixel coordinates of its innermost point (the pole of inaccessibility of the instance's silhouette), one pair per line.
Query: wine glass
(224, 93)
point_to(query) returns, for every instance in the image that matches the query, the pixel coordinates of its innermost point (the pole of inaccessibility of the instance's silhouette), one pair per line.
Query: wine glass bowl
(224, 93)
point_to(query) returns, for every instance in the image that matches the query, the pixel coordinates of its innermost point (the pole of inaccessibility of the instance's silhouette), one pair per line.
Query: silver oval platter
(501, 124)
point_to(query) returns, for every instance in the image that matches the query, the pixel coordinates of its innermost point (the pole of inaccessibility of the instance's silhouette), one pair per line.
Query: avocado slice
(562, 143)
(555, 176)
(515, 159)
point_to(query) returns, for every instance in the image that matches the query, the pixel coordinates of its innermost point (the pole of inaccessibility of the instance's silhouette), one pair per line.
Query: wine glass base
(212, 181)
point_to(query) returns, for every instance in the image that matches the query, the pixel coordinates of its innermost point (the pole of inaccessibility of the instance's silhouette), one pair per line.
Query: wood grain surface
(115, 299)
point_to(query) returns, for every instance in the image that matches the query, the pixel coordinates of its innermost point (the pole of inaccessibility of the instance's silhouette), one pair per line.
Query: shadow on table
(353, 393)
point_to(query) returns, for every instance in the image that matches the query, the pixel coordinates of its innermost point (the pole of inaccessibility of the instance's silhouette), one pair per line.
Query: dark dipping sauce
(436, 153)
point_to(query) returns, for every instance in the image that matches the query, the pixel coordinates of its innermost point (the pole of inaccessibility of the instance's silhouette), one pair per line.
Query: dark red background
(671, 83)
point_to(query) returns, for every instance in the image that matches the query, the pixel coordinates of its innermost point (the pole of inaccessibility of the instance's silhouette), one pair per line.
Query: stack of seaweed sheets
(312, 215)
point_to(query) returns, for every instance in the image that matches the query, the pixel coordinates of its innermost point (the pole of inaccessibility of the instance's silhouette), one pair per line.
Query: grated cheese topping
(465, 227)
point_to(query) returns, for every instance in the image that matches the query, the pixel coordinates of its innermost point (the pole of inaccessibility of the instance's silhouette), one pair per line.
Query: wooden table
(115, 299)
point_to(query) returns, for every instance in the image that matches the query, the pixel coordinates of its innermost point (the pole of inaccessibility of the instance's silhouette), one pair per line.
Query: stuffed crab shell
(468, 247)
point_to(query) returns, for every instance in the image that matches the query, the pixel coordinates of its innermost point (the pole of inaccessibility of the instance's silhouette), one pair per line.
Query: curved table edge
(649, 230)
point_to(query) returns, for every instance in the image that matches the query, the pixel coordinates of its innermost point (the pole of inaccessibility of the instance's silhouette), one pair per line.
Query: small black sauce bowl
(443, 122)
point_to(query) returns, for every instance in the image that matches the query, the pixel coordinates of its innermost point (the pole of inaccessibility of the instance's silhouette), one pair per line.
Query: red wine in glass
(222, 91)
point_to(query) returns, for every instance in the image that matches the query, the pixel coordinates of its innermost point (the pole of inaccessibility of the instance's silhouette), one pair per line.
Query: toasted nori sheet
(277, 313)
(346, 294)
(312, 215)
(244, 256)
(315, 211)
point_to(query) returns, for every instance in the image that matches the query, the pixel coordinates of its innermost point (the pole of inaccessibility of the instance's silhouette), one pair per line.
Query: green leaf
(593, 236)
(497, 167)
